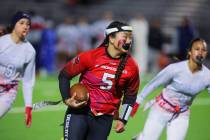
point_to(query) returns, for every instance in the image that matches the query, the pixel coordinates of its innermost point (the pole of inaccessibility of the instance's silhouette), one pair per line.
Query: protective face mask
(126, 46)
(199, 59)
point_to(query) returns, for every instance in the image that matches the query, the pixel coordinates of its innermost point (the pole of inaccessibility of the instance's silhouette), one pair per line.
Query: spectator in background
(99, 26)
(140, 35)
(85, 35)
(155, 39)
(47, 50)
(38, 24)
(186, 32)
(68, 40)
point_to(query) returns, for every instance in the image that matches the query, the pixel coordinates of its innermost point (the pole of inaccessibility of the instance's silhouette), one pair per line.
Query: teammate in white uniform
(17, 58)
(182, 82)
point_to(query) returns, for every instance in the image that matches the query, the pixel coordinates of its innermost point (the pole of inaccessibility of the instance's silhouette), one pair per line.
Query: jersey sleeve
(79, 64)
(132, 88)
(130, 95)
(162, 78)
(28, 81)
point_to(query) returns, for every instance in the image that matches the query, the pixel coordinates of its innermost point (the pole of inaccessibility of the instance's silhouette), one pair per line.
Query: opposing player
(17, 63)
(108, 72)
(182, 82)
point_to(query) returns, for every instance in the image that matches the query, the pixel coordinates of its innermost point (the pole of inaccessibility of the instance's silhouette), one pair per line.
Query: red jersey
(98, 70)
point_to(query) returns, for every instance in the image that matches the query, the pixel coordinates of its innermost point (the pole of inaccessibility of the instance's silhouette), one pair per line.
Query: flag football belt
(176, 108)
(6, 87)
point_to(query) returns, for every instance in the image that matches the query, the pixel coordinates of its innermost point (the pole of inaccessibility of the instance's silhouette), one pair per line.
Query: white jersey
(180, 84)
(17, 62)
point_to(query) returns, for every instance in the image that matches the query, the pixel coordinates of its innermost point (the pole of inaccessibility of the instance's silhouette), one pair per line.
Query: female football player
(17, 63)
(182, 82)
(108, 72)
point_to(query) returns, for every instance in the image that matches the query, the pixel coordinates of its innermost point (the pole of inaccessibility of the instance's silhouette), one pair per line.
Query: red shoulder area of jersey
(132, 63)
(92, 54)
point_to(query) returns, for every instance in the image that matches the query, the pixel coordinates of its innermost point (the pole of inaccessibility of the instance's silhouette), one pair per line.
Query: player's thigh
(75, 127)
(154, 125)
(6, 102)
(99, 127)
(177, 129)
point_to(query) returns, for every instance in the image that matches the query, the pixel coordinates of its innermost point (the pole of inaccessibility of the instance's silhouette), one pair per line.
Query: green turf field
(46, 122)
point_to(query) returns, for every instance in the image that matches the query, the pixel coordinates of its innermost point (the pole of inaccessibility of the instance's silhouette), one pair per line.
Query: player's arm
(74, 67)
(128, 101)
(27, 86)
(162, 78)
(64, 84)
(130, 96)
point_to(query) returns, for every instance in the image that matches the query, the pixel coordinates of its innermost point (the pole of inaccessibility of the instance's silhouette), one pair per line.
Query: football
(81, 92)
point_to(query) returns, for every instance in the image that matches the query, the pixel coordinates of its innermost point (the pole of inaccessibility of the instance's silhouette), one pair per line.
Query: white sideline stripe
(197, 102)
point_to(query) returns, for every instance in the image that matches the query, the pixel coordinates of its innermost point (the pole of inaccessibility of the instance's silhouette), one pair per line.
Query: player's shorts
(80, 125)
(7, 99)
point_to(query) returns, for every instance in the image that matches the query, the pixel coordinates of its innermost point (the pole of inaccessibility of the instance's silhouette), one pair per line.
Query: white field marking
(197, 102)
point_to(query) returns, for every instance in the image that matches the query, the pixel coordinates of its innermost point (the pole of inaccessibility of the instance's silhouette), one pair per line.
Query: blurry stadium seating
(169, 12)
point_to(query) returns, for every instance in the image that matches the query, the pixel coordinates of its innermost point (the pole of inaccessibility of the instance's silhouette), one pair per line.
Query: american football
(81, 92)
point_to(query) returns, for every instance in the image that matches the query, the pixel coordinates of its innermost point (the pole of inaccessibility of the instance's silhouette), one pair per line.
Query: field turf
(46, 121)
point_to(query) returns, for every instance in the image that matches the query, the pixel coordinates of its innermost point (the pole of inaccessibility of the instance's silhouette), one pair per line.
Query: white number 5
(106, 79)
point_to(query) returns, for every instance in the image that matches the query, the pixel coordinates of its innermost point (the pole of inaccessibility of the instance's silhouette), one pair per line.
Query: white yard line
(197, 102)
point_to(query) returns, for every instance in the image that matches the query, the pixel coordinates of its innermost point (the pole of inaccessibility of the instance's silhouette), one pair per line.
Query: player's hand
(119, 126)
(28, 116)
(72, 102)
(135, 109)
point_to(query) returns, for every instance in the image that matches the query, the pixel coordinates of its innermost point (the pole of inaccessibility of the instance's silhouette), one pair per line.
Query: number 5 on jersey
(106, 79)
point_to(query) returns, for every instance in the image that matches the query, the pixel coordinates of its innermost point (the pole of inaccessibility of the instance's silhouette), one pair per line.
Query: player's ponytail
(120, 68)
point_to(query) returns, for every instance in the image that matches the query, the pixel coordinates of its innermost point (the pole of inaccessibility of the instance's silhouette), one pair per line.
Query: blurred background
(63, 28)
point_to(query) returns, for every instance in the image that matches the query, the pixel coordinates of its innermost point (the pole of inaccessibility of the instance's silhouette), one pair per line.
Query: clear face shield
(199, 59)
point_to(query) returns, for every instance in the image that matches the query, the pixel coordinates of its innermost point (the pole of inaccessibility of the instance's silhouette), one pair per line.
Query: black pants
(82, 125)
